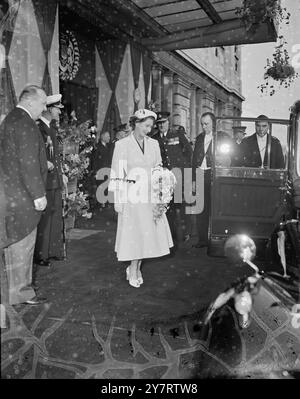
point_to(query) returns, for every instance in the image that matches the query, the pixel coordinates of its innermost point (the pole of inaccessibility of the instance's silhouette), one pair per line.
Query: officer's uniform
(49, 241)
(176, 152)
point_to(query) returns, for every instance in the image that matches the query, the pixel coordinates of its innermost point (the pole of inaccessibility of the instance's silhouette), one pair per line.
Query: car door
(246, 200)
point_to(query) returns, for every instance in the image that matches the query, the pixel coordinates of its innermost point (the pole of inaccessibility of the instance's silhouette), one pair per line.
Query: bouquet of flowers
(77, 204)
(163, 182)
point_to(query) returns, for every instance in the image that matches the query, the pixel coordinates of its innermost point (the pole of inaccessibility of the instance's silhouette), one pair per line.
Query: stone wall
(186, 91)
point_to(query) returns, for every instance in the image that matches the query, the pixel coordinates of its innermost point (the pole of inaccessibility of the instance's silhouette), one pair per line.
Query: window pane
(243, 144)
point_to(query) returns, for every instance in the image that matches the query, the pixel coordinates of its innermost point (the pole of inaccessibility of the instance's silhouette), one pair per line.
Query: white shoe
(132, 281)
(140, 277)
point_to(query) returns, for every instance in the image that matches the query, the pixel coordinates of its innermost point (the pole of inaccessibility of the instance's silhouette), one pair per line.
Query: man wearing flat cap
(255, 147)
(176, 152)
(49, 242)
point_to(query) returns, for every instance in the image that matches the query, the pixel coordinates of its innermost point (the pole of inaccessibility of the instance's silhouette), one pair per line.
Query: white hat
(145, 113)
(54, 101)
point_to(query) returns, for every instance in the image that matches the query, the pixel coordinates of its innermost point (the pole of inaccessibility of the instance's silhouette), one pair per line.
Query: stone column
(229, 111)
(167, 92)
(181, 103)
(157, 84)
(193, 114)
(199, 111)
(208, 103)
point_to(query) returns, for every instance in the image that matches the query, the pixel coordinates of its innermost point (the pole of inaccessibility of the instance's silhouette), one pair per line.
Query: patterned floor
(96, 326)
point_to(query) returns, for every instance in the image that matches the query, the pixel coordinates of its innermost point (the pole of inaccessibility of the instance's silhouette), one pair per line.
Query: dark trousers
(203, 217)
(49, 241)
(178, 221)
(100, 198)
(4, 290)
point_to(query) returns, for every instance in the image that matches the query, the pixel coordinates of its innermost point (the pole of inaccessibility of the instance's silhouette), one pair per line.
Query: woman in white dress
(138, 235)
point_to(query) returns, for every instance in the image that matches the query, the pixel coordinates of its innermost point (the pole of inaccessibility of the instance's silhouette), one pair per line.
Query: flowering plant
(258, 11)
(77, 133)
(279, 69)
(77, 204)
(76, 165)
(163, 182)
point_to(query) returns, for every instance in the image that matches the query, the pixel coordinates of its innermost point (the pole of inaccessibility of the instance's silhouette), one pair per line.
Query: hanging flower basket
(280, 72)
(254, 12)
(279, 69)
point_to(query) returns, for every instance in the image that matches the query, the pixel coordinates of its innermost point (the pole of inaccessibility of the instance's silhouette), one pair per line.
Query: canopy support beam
(227, 33)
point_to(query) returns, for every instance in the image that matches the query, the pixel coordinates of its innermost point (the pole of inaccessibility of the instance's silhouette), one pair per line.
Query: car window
(238, 144)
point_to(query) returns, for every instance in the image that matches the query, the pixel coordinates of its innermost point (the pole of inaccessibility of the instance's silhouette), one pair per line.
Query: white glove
(65, 180)
(118, 207)
(40, 203)
(50, 165)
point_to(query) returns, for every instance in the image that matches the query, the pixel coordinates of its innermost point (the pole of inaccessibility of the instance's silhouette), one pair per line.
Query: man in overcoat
(24, 165)
(49, 242)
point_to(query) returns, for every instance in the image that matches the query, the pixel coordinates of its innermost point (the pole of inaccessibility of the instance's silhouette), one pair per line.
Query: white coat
(138, 235)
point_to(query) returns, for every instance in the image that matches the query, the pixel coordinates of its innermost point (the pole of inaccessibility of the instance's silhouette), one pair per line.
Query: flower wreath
(69, 56)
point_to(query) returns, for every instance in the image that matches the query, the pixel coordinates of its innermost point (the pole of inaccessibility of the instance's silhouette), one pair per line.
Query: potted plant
(75, 204)
(77, 142)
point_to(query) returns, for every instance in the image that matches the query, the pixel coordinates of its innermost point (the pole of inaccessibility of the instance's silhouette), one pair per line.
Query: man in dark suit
(254, 148)
(176, 152)
(239, 133)
(49, 241)
(202, 159)
(24, 164)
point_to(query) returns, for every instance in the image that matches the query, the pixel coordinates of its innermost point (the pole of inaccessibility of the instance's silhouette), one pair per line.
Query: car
(261, 202)
(252, 329)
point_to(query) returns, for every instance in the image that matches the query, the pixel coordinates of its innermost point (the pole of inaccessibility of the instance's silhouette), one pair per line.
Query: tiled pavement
(97, 326)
